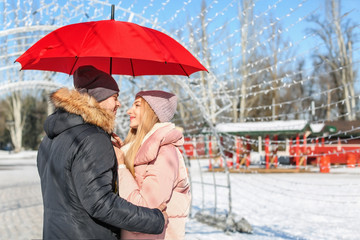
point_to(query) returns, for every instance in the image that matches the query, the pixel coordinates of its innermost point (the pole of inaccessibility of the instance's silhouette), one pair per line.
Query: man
(77, 165)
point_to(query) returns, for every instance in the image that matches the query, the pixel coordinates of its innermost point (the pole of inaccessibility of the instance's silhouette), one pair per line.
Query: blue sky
(152, 8)
(221, 13)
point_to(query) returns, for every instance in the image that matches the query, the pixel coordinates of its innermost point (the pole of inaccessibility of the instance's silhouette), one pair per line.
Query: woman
(151, 167)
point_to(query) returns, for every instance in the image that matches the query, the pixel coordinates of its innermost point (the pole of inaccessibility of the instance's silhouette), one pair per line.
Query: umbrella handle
(112, 11)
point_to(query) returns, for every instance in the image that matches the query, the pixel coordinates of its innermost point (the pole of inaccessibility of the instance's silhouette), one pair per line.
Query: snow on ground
(286, 205)
(278, 206)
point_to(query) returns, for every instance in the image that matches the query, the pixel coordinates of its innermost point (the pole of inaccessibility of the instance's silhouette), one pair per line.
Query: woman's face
(135, 113)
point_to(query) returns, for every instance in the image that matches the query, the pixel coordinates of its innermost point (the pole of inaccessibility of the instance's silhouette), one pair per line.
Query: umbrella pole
(112, 18)
(112, 11)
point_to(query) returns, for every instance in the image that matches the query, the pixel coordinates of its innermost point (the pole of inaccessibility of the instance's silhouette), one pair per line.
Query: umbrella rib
(132, 67)
(110, 65)
(76, 59)
(184, 70)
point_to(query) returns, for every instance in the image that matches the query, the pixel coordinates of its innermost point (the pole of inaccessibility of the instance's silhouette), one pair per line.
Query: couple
(91, 188)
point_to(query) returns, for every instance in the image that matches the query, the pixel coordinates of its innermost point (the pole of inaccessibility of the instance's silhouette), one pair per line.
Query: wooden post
(221, 157)
(248, 150)
(304, 150)
(194, 147)
(267, 143)
(339, 147)
(210, 154)
(297, 151)
(275, 157)
(260, 144)
(206, 146)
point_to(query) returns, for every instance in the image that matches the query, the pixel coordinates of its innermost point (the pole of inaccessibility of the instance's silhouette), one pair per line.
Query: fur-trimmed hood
(84, 106)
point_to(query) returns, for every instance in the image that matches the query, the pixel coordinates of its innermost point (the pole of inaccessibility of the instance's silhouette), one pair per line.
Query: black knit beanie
(96, 83)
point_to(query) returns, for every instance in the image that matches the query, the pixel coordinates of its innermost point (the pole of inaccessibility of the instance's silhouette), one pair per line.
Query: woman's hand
(119, 155)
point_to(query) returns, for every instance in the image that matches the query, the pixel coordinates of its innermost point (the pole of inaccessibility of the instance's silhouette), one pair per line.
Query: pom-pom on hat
(163, 103)
(99, 84)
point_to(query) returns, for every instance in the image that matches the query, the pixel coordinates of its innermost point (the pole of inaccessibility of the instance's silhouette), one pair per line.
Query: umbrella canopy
(112, 46)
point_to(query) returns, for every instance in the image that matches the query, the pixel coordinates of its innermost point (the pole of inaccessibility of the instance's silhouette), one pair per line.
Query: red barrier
(238, 146)
(304, 150)
(351, 160)
(189, 147)
(325, 164)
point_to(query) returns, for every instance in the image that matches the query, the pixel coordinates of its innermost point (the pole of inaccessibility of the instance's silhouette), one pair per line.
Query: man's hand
(118, 142)
(117, 145)
(162, 208)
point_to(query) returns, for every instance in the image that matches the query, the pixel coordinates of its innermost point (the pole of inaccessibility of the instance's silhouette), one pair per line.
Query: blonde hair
(136, 135)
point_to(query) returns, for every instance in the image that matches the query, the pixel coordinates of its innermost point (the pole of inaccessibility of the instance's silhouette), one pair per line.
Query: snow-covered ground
(286, 205)
(278, 206)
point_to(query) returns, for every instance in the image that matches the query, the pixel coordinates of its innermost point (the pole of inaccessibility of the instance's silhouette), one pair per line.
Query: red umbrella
(112, 46)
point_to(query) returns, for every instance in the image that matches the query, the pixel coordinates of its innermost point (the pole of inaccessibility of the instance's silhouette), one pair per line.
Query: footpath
(20, 197)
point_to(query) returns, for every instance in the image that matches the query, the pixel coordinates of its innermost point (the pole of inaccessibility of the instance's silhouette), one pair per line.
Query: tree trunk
(343, 58)
(245, 17)
(207, 85)
(16, 123)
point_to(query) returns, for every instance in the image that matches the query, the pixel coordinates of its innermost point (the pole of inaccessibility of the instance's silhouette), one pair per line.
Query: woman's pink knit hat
(163, 103)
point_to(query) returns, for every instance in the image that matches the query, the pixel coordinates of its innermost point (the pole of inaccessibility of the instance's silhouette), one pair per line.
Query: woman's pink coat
(160, 176)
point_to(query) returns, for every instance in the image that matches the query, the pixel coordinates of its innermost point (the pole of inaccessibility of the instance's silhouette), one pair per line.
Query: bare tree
(246, 18)
(14, 117)
(345, 57)
(337, 35)
(208, 82)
